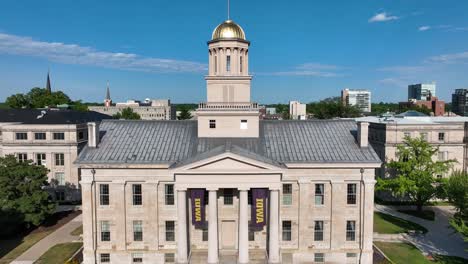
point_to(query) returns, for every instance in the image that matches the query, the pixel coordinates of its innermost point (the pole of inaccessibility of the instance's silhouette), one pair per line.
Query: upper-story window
(424, 135)
(228, 63)
(137, 194)
(243, 124)
(318, 231)
(21, 136)
(287, 194)
(228, 196)
(59, 159)
(104, 194)
(40, 136)
(241, 63)
(350, 230)
(441, 136)
(287, 232)
(105, 231)
(212, 123)
(22, 157)
(59, 136)
(351, 197)
(80, 134)
(169, 194)
(137, 230)
(170, 231)
(41, 159)
(319, 193)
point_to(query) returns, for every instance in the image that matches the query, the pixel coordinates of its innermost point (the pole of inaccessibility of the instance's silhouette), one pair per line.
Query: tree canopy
(128, 114)
(415, 172)
(21, 191)
(456, 190)
(331, 108)
(184, 113)
(37, 98)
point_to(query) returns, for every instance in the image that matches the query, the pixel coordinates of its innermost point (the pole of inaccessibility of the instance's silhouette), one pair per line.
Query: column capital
(212, 189)
(243, 188)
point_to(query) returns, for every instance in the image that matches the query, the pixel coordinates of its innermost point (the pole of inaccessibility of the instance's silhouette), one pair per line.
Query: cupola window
(240, 63)
(216, 64)
(228, 63)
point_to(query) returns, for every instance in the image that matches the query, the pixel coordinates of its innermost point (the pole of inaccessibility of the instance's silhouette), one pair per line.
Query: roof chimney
(93, 134)
(363, 134)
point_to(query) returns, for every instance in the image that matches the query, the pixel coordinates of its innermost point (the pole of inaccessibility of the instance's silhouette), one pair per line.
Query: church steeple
(48, 87)
(108, 100)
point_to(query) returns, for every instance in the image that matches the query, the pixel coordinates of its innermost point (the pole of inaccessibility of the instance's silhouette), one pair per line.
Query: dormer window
(228, 63)
(212, 123)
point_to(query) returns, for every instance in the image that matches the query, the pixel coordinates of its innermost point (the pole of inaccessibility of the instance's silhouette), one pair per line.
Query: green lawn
(20, 246)
(387, 224)
(78, 231)
(424, 214)
(59, 253)
(402, 253)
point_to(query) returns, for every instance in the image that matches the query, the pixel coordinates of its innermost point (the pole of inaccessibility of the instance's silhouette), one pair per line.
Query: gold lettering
(259, 211)
(198, 210)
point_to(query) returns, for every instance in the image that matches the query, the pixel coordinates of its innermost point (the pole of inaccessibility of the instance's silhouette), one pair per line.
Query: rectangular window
(169, 257)
(441, 136)
(22, 157)
(59, 159)
(243, 124)
(216, 64)
(442, 155)
(318, 231)
(287, 232)
(105, 231)
(287, 194)
(319, 193)
(170, 231)
(137, 257)
(59, 136)
(104, 257)
(80, 135)
(137, 194)
(228, 196)
(241, 63)
(21, 136)
(251, 234)
(228, 63)
(351, 255)
(319, 257)
(424, 136)
(351, 197)
(60, 177)
(205, 234)
(212, 123)
(41, 159)
(137, 230)
(104, 194)
(350, 230)
(40, 136)
(169, 194)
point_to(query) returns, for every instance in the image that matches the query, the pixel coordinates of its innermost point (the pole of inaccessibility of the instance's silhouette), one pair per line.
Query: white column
(274, 228)
(182, 252)
(243, 228)
(213, 227)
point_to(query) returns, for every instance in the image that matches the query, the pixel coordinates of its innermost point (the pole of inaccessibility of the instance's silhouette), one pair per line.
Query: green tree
(17, 101)
(456, 191)
(79, 106)
(184, 114)
(21, 190)
(415, 172)
(128, 114)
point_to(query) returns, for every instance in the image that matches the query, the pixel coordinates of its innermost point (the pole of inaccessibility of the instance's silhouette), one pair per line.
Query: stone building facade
(139, 180)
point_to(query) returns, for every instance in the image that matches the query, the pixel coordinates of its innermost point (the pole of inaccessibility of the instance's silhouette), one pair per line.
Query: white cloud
(450, 58)
(424, 28)
(403, 69)
(75, 54)
(308, 69)
(382, 17)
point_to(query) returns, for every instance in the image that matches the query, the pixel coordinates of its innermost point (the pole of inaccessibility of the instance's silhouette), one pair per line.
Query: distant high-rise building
(297, 110)
(421, 91)
(460, 102)
(359, 98)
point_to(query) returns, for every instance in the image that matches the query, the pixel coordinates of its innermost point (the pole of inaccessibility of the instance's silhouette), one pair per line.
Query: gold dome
(228, 30)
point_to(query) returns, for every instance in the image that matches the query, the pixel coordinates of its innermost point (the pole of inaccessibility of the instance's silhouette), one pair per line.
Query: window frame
(319, 233)
(228, 63)
(350, 230)
(22, 157)
(105, 232)
(212, 123)
(60, 161)
(228, 199)
(441, 139)
(21, 135)
(138, 256)
(319, 257)
(351, 198)
(36, 134)
(286, 230)
(58, 135)
(169, 198)
(319, 195)
(137, 230)
(169, 232)
(42, 157)
(104, 194)
(104, 258)
(60, 182)
(286, 191)
(137, 197)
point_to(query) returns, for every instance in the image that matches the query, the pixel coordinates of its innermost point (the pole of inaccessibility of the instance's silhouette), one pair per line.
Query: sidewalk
(61, 235)
(440, 239)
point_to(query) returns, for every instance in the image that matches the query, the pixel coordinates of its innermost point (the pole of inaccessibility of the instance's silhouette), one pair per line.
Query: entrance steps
(229, 257)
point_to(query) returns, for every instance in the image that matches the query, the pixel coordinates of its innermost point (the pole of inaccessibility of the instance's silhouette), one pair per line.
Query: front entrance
(228, 234)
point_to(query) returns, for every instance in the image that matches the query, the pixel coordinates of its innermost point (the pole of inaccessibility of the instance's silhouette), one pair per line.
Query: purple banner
(258, 208)
(197, 197)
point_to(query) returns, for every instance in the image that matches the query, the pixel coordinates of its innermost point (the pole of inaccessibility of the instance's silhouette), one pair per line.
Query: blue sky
(305, 50)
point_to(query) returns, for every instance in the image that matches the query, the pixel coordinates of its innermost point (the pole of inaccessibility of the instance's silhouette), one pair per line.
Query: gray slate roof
(176, 143)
